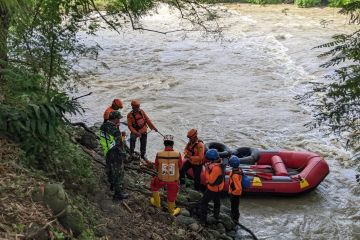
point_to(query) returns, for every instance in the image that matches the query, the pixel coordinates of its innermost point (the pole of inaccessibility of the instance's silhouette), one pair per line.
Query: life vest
(107, 141)
(190, 150)
(235, 187)
(139, 122)
(168, 168)
(219, 183)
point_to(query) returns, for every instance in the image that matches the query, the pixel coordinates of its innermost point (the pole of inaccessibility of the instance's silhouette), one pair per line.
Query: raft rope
(247, 230)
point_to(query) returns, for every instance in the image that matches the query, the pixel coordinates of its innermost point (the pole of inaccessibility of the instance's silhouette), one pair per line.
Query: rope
(248, 230)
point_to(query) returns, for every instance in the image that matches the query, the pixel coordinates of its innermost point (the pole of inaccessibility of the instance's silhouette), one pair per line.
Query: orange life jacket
(235, 187)
(196, 151)
(168, 166)
(139, 120)
(215, 177)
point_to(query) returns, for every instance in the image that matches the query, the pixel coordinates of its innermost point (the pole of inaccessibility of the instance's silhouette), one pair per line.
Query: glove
(155, 129)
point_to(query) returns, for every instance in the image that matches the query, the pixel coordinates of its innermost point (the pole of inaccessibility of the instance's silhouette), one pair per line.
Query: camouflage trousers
(115, 168)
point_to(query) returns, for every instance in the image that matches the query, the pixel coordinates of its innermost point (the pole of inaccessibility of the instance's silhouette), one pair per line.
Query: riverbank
(34, 206)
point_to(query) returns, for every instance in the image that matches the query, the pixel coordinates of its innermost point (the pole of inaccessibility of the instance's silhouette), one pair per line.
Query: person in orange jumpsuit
(194, 156)
(116, 105)
(167, 163)
(138, 123)
(215, 181)
(235, 187)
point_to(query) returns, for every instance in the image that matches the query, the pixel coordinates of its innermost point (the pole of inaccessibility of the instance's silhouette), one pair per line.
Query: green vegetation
(307, 3)
(337, 101)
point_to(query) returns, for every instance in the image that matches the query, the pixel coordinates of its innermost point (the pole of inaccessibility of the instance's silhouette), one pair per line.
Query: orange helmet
(192, 133)
(117, 102)
(135, 103)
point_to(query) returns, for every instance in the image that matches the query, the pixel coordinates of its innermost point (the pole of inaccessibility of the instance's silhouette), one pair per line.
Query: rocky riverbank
(35, 207)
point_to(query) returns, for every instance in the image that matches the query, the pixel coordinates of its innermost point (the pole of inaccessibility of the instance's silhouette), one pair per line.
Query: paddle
(267, 176)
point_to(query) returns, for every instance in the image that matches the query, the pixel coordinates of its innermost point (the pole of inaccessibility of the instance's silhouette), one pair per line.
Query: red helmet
(192, 133)
(135, 103)
(117, 102)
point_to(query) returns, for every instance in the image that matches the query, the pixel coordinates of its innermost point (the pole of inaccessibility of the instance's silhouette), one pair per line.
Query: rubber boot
(172, 209)
(155, 200)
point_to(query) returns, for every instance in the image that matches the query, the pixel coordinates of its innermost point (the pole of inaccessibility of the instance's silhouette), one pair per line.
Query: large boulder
(194, 196)
(73, 220)
(55, 197)
(185, 220)
(227, 221)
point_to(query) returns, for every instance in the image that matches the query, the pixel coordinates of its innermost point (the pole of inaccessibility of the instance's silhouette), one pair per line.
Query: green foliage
(337, 101)
(307, 3)
(263, 2)
(338, 3)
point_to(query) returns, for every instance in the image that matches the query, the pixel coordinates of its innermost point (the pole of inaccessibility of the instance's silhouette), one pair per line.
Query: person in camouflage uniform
(115, 154)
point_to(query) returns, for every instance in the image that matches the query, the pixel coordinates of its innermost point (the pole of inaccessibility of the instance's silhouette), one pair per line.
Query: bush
(307, 3)
(338, 3)
(263, 2)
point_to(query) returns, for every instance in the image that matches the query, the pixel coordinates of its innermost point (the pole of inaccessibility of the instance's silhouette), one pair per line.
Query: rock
(220, 228)
(231, 234)
(194, 226)
(211, 220)
(225, 209)
(55, 197)
(89, 140)
(155, 236)
(185, 220)
(225, 237)
(194, 196)
(185, 212)
(181, 198)
(227, 221)
(73, 220)
(215, 234)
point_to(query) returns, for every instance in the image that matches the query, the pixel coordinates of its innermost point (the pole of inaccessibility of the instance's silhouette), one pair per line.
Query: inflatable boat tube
(247, 155)
(223, 150)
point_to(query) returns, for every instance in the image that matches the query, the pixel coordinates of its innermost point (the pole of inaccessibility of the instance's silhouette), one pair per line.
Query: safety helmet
(114, 115)
(135, 103)
(117, 102)
(212, 155)
(192, 133)
(234, 161)
(169, 138)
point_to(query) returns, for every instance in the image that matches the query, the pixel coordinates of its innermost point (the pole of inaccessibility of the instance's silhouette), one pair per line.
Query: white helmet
(169, 138)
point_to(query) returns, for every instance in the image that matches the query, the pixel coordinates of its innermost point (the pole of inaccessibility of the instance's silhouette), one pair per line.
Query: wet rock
(215, 234)
(184, 220)
(180, 235)
(231, 234)
(227, 221)
(185, 212)
(225, 237)
(220, 228)
(194, 196)
(211, 220)
(194, 226)
(225, 209)
(181, 198)
(89, 140)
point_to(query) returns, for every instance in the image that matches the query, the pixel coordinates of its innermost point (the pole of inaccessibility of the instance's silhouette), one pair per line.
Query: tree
(337, 101)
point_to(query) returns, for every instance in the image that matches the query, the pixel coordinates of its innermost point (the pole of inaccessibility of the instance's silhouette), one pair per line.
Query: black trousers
(207, 197)
(197, 172)
(143, 141)
(235, 201)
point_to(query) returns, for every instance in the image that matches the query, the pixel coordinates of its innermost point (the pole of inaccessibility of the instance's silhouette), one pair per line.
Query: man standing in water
(114, 151)
(138, 123)
(194, 156)
(167, 163)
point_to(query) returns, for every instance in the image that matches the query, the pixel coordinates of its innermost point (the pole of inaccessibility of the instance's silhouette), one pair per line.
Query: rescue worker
(235, 187)
(116, 105)
(215, 181)
(167, 163)
(138, 123)
(194, 154)
(114, 151)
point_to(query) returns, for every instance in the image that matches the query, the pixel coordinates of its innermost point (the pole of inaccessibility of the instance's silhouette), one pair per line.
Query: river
(239, 91)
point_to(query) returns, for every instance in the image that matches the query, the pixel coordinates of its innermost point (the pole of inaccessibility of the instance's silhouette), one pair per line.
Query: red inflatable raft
(278, 172)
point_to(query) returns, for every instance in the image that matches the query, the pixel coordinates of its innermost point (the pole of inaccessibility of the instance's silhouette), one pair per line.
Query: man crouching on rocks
(114, 151)
(167, 163)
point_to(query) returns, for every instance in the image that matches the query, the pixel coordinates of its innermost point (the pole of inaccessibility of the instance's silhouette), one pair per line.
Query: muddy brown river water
(239, 91)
